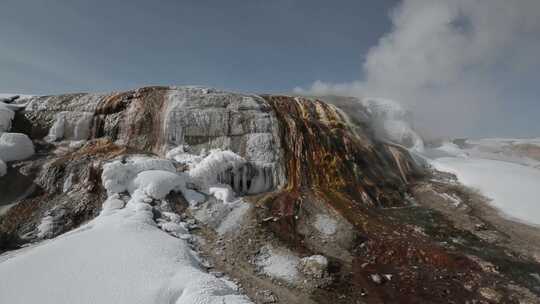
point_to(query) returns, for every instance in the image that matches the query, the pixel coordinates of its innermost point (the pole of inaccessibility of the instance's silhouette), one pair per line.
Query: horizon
(470, 73)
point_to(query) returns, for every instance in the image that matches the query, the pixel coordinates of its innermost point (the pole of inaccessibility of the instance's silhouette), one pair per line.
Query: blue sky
(251, 45)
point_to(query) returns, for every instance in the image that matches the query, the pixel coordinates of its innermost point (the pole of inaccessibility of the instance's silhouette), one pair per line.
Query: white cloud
(453, 62)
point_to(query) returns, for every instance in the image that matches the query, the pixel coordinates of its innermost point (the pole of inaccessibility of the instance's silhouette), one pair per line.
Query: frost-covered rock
(207, 119)
(278, 263)
(70, 126)
(314, 266)
(209, 170)
(223, 193)
(181, 155)
(15, 146)
(6, 116)
(158, 119)
(325, 224)
(46, 227)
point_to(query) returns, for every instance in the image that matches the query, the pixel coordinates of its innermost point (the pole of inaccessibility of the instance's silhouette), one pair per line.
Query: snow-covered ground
(122, 257)
(511, 182)
(504, 149)
(135, 251)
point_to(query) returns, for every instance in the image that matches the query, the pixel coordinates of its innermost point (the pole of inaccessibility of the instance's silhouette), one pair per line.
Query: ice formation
(70, 126)
(207, 119)
(140, 251)
(181, 155)
(210, 169)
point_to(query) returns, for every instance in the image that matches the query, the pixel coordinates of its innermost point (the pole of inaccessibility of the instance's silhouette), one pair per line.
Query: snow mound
(118, 175)
(133, 252)
(390, 121)
(15, 146)
(157, 183)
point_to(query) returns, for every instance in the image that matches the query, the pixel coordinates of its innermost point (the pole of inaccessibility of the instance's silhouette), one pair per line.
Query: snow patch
(325, 224)
(222, 192)
(234, 217)
(46, 227)
(278, 263)
(15, 146)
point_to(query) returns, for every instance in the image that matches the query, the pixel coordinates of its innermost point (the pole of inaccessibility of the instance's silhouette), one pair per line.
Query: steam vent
(290, 199)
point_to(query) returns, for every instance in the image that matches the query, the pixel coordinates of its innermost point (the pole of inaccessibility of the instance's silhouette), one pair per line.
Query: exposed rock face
(157, 119)
(317, 180)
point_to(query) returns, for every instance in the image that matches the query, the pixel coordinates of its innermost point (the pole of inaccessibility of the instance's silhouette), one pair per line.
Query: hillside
(196, 195)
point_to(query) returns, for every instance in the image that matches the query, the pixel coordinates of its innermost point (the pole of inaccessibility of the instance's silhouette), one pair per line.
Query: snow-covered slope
(118, 258)
(513, 188)
(525, 151)
(125, 255)
(161, 194)
(512, 185)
